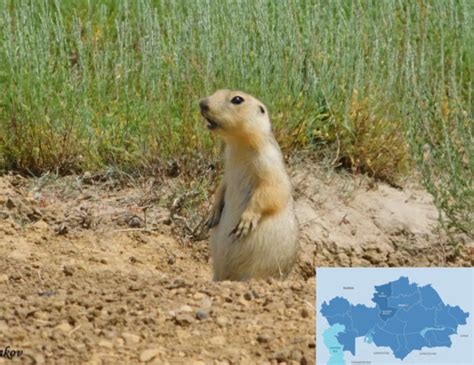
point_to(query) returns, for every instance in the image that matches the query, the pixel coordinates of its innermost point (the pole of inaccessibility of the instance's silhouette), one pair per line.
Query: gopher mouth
(211, 124)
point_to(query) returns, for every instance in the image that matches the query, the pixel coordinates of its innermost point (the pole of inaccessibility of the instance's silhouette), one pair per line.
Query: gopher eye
(261, 109)
(237, 100)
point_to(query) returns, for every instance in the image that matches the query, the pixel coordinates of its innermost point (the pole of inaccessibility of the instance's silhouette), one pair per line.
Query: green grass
(378, 86)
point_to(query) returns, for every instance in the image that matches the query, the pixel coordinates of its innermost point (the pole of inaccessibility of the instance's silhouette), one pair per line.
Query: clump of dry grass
(372, 143)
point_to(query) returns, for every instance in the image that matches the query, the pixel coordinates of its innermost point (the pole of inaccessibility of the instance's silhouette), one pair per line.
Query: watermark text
(9, 353)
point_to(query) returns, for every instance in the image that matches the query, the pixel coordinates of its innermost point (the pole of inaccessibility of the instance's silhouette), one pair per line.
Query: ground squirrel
(254, 228)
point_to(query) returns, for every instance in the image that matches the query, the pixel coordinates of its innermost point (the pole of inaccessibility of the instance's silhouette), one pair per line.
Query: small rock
(61, 229)
(3, 326)
(185, 309)
(222, 321)
(201, 314)
(68, 270)
(134, 222)
(281, 357)
(135, 287)
(46, 293)
(40, 226)
(119, 342)
(198, 296)
(12, 203)
(33, 214)
(106, 344)
(183, 319)
(296, 355)
(218, 340)
(59, 303)
(178, 283)
(3, 278)
(206, 302)
(16, 277)
(149, 354)
(130, 338)
(304, 313)
(264, 338)
(243, 302)
(40, 315)
(39, 359)
(255, 294)
(248, 296)
(63, 327)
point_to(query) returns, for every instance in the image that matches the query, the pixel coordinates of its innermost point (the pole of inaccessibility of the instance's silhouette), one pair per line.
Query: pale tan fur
(254, 229)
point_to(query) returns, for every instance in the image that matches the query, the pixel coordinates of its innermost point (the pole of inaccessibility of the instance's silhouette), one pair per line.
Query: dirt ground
(102, 273)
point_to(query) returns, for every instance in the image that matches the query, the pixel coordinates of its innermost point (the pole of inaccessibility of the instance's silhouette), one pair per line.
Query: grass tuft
(372, 143)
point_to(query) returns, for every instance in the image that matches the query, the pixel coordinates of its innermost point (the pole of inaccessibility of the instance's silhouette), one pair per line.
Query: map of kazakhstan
(404, 317)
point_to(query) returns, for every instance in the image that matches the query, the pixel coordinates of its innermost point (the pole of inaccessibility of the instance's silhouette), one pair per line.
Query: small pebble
(201, 314)
(149, 354)
(296, 355)
(280, 357)
(218, 340)
(63, 327)
(68, 270)
(106, 344)
(183, 319)
(222, 321)
(39, 359)
(185, 309)
(304, 313)
(264, 338)
(134, 222)
(130, 338)
(198, 296)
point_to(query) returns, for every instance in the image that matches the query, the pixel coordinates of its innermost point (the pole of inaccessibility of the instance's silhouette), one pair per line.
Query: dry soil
(97, 272)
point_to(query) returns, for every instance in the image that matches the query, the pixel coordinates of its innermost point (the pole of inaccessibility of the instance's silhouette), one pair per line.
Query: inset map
(394, 315)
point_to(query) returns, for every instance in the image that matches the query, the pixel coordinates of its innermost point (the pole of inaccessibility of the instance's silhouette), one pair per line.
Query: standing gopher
(255, 232)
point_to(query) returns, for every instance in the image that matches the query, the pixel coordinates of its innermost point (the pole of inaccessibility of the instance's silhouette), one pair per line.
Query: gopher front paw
(215, 216)
(213, 220)
(248, 222)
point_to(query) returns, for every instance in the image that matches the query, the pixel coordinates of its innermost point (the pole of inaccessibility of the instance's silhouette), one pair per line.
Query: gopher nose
(203, 104)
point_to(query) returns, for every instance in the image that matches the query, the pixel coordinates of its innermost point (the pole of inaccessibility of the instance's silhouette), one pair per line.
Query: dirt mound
(355, 222)
(97, 273)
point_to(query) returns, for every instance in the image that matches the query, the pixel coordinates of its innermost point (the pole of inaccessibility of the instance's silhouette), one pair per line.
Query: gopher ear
(262, 109)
